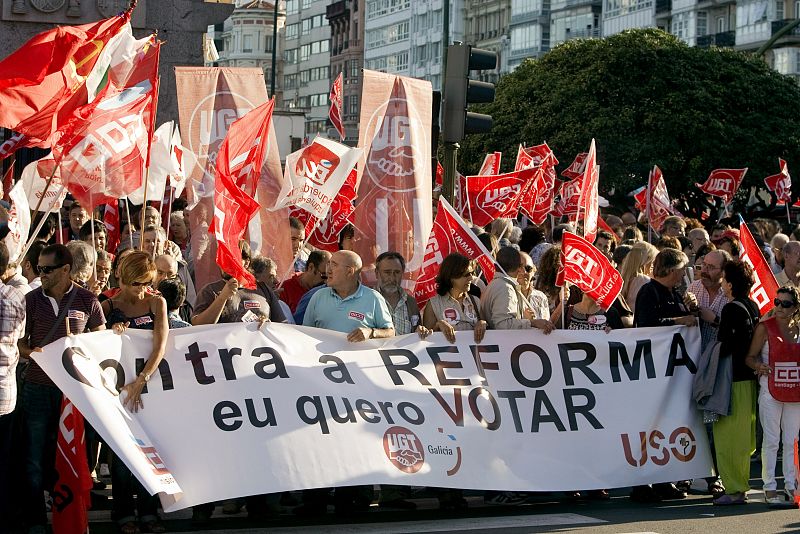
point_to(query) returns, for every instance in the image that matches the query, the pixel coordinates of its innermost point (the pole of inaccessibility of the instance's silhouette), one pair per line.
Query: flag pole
(59, 236)
(39, 226)
(563, 304)
(647, 212)
(169, 207)
(788, 213)
(91, 221)
(130, 222)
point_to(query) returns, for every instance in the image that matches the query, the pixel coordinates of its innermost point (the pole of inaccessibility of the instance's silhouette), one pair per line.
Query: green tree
(648, 99)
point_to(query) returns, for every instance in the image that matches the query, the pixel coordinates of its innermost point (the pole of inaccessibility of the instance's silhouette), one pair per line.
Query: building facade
(486, 26)
(307, 60)
(346, 20)
(529, 32)
(245, 39)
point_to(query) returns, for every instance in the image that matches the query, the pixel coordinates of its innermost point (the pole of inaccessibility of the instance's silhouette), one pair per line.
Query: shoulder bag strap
(61, 315)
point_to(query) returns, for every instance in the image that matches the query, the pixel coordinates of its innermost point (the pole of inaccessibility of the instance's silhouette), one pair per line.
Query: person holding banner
(791, 265)
(735, 434)
(502, 304)
(346, 306)
(453, 309)
(775, 341)
(136, 307)
(59, 307)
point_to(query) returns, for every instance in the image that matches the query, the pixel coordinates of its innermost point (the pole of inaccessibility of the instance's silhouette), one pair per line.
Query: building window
(247, 43)
(291, 55)
(291, 7)
(292, 30)
(290, 81)
(379, 8)
(353, 108)
(702, 23)
(354, 70)
(720, 24)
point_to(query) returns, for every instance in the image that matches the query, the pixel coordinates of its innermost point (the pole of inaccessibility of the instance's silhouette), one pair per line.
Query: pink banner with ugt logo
(393, 209)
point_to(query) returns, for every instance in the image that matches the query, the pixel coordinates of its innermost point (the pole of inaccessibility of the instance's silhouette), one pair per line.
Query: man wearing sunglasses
(58, 308)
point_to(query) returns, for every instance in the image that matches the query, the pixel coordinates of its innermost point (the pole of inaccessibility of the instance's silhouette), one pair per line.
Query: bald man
(348, 306)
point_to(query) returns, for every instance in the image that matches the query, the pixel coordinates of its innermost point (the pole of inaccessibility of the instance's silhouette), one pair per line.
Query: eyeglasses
(168, 275)
(528, 268)
(784, 303)
(47, 269)
(709, 267)
(140, 284)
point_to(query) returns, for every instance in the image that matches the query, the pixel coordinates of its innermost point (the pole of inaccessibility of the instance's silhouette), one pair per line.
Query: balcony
(723, 39)
(529, 17)
(337, 10)
(588, 33)
(777, 25)
(519, 53)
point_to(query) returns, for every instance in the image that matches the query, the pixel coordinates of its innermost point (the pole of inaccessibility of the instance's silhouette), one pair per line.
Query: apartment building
(346, 20)
(486, 26)
(307, 60)
(529, 32)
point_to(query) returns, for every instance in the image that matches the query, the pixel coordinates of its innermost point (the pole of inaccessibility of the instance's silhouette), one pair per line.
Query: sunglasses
(47, 269)
(139, 284)
(784, 303)
(468, 274)
(528, 268)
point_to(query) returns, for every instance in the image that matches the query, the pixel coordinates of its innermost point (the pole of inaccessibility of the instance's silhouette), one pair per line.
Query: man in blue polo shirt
(347, 305)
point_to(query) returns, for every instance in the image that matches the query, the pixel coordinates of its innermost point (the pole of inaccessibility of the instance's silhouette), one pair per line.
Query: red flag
(723, 183)
(12, 144)
(439, 175)
(324, 234)
(71, 498)
(766, 287)
(537, 199)
(491, 164)
(780, 184)
(588, 201)
(486, 198)
(111, 222)
(449, 235)
(586, 267)
(103, 147)
(568, 203)
(577, 167)
(239, 162)
(335, 111)
(41, 76)
(659, 205)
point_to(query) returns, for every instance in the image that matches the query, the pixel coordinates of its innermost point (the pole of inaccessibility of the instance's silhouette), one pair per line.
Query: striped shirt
(708, 332)
(12, 327)
(42, 311)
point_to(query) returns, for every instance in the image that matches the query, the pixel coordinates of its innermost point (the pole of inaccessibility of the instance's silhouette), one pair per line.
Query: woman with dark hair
(735, 434)
(453, 308)
(776, 339)
(546, 282)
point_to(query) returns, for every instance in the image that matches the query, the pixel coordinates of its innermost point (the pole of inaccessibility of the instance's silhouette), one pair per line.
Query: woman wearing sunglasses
(735, 434)
(775, 341)
(136, 306)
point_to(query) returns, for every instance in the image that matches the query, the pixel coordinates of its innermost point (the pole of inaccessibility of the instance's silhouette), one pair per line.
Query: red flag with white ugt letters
(766, 287)
(586, 267)
(723, 183)
(486, 198)
(449, 235)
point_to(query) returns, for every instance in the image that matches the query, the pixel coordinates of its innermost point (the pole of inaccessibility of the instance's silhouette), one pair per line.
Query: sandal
(155, 526)
(716, 489)
(129, 527)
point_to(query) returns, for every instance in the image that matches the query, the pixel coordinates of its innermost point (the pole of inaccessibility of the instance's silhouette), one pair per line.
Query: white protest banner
(315, 174)
(238, 411)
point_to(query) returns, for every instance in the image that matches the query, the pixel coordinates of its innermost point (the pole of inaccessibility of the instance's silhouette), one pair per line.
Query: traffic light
(460, 91)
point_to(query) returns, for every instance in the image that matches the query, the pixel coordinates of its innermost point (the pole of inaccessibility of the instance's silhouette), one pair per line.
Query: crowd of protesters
(687, 274)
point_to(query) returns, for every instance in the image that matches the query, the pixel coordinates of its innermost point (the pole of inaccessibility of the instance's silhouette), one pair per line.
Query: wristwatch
(146, 376)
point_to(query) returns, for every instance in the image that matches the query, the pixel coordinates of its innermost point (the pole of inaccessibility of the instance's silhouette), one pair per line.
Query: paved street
(545, 513)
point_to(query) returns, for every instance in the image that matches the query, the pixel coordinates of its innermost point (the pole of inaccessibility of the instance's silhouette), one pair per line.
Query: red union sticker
(356, 315)
(76, 314)
(145, 319)
(451, 314)
(404, 449)
(251, 305)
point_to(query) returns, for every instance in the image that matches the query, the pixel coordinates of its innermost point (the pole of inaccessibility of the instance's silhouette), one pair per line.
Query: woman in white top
(780, 420)
(538, 301)
(636, 270)
(452, 308)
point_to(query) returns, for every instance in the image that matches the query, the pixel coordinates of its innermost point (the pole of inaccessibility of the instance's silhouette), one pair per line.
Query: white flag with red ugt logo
(315, 174)
(586, 267)
(723, 183)
(449, 235)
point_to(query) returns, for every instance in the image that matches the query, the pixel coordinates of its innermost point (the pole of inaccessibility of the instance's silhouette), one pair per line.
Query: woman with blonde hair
(776, 340)
(636, 270)
(136, 306)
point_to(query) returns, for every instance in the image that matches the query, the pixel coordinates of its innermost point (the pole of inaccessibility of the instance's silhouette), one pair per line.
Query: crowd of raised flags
(96, 112)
